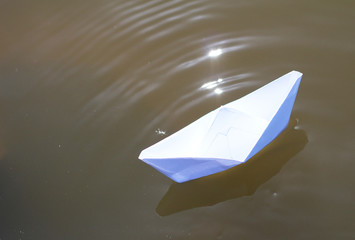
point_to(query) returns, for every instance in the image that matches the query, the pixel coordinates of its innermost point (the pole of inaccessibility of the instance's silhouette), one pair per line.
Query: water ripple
(136, 53)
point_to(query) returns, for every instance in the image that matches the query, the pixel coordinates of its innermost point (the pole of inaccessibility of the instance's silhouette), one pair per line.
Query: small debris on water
(160, 132)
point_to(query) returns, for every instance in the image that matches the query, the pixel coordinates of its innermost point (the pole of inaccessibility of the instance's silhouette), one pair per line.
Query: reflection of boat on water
(242, 180)
(227, 136)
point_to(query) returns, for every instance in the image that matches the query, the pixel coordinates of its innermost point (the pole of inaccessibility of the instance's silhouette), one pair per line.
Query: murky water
(86, 85)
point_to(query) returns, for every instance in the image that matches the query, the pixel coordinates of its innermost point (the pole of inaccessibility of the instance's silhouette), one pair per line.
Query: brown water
(86, 85)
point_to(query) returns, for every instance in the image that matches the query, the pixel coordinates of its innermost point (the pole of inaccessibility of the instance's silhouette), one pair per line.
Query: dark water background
(86, 85)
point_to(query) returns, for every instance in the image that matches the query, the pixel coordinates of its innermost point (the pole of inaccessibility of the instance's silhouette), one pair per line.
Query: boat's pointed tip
(141, 156)
(294, 76)
(296, 72)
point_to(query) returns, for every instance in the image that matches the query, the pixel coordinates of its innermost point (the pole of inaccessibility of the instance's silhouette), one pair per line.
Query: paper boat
(227, 136)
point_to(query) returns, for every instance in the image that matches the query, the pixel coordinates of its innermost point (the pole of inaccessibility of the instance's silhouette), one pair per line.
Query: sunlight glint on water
(86, 85)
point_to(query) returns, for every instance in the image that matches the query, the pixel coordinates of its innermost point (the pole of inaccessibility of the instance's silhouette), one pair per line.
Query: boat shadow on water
(242, 180)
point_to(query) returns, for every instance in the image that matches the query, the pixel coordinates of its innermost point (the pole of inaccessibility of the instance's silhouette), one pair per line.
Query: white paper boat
(227, 136)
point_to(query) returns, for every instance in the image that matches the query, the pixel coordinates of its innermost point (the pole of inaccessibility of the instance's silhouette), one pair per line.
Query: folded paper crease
(227, 136)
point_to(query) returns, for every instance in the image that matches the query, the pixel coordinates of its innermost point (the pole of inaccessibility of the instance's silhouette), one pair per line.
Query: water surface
(86, 85)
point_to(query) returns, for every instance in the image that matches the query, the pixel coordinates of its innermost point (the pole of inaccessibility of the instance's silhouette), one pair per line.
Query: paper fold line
(227, 136)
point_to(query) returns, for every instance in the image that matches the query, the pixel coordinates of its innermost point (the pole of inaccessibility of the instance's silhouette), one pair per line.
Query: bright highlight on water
(215, 52)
